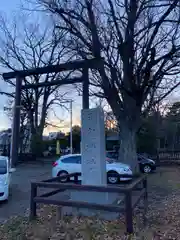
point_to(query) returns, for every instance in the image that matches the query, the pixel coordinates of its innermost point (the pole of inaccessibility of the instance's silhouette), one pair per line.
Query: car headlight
(4, 182)
(127, 169)
(152, 161)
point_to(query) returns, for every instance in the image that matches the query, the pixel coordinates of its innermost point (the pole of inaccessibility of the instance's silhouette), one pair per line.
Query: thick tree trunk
(37, 143)
(37, 128)
(128, 121)
(127, 150)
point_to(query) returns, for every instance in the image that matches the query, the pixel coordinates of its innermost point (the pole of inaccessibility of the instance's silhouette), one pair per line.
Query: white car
(71, 163)
(5, 175)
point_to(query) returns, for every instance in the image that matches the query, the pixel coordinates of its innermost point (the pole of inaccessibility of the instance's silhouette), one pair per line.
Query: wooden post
(129, 212)
(85, 89)
(145, 200)
(33, 204)
(16, 124)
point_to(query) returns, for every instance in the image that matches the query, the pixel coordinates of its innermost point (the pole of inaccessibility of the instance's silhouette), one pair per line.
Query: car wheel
(147, 169)
(112, 177)
(63, 173)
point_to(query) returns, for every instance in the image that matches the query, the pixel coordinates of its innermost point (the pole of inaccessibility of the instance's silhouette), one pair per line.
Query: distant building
(5, 138)
(56, 135)
(112, 140)
(45, 138)
(24, 139)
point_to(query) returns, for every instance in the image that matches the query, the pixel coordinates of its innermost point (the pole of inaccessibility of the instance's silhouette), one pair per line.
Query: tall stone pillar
(93, 147)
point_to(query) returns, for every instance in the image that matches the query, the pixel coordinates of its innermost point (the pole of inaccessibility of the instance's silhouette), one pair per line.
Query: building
(56, 135)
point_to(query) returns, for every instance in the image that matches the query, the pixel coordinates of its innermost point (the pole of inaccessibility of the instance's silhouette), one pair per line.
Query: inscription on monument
(93, 147)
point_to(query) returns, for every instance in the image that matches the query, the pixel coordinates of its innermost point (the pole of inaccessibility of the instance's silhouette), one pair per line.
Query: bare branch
(32, 48)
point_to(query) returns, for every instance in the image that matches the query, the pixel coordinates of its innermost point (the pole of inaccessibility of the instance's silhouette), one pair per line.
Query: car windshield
(141, 157)
(3, 167)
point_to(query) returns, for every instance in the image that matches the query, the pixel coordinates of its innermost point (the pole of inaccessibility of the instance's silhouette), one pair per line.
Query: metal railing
(138, 185)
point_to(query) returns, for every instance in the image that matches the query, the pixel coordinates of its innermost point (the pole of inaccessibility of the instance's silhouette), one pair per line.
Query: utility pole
(70, 101)
(71, 123)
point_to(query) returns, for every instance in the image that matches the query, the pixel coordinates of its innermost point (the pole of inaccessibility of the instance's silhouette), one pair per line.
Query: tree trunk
(37, 129)
(127, 150)
(37, 143)
(128, 124)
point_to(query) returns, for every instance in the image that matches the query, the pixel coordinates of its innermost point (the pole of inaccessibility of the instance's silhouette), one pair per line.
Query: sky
(8, 8)
(61, 118)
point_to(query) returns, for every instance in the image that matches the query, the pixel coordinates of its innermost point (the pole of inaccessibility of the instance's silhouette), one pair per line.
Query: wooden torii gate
(83, 65)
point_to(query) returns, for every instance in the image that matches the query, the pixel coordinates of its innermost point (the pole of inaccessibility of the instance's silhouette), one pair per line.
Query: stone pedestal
(93, 165)
(93, 197)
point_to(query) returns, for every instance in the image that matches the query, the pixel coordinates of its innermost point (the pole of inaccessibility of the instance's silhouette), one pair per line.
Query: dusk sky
(7, 8)
(10, 8)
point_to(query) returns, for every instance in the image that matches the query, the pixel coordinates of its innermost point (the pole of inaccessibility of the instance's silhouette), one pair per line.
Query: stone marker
(93, 147)
(93, 165)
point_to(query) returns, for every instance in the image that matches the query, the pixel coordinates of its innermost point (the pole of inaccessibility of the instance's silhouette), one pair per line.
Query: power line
(53, 125)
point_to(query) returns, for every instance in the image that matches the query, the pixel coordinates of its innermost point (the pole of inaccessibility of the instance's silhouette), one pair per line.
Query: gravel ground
(20, 189)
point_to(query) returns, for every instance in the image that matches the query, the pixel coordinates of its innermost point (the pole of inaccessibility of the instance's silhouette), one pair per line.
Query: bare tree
(25, 45)
(139, 41)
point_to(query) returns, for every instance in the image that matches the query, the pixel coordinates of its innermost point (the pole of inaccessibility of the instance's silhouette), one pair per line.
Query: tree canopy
(139, 41)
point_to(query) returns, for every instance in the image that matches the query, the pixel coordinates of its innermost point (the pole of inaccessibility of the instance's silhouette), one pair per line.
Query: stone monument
(93, 165)
(93, 147)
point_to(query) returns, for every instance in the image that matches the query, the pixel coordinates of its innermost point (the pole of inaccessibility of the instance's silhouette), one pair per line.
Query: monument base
(93, 197)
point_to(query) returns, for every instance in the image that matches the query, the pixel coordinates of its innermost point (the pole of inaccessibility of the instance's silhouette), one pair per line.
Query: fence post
(33, 204)
(145, 199)
(129, 212)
